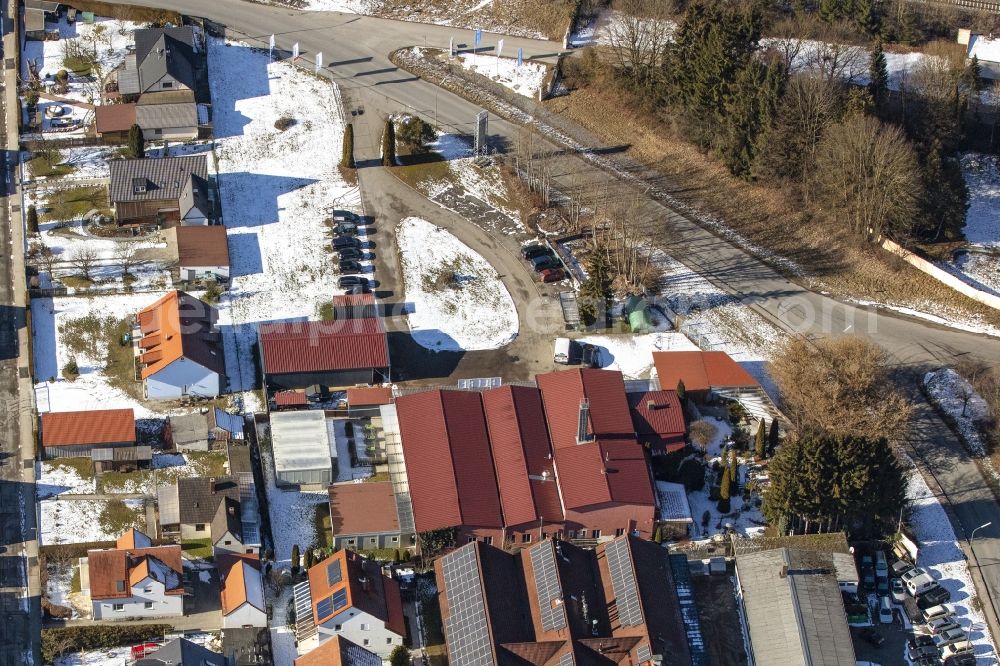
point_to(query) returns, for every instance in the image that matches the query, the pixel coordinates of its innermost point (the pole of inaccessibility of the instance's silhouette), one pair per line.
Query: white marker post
(319, 62)
(270, 50)
(451, 47)
(499, 51)
(295, 52)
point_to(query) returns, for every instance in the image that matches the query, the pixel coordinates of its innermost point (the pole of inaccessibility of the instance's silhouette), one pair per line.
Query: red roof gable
(368, 396)
(562, 393)
(323, 346)
(700, 370)
(599, 472)
(102, 426)
(448, 460)
(658, 419)
(521, 451)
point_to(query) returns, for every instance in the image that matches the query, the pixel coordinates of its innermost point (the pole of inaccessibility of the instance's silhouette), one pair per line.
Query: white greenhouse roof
(673, 502)
(300, 441)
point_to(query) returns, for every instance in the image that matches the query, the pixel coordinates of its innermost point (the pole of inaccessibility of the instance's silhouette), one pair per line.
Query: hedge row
(68, 551)
(126, 12)
(56, 642)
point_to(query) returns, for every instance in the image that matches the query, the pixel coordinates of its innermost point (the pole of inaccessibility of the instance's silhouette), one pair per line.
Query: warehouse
(304, 450)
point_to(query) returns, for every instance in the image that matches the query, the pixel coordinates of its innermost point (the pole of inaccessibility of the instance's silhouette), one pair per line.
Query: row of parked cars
(544, 262)
(347, 244)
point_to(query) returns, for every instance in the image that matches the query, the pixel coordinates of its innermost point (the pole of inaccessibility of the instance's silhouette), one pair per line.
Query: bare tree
(126, 254)
(638, 34)
(867, 172)
(838, 62)
(702, 433)
(840, 387)
(42, 256)
(84, 259)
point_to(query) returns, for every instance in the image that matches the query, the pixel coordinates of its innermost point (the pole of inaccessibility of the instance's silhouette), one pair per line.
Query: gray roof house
(164, 59)
(168, 116)
(181, 652)
(793, 608)
(203, 431)
(210, 508)
(164, 191)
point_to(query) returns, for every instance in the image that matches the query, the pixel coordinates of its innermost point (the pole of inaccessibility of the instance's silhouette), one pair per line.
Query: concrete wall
(188, 532)
(245, 616)
(180, 378)
(361, 628)
(942, 275)
(365, 541)
(234, 545)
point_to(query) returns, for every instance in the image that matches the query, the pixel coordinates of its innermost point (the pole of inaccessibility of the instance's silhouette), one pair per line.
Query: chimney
(582, 436)
(365, 585)
(784, 571)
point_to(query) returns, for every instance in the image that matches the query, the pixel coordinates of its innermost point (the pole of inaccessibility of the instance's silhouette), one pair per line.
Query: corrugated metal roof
(101, 426)
(166, 116)
(168, 505)
(300, 441)
(323, 346)
(122, 454)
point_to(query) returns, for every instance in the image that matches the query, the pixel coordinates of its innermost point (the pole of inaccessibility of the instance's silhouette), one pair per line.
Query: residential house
(304, 448)
(242, 593)
(208, 510)
(701, 372)
(163, 61)
(162, 191)
(106, 436)
(181, 652)
(168, 116)
(112, 122)
(339, 651)
(331, 354)
(349, 596)
(134, 580)
(247, 646)
(985, 49)
(178, 351)
(200, 253)
(204, 430)
(36, 12)
(658, 419)
(553, 603)
(794, 608)
(377, 526)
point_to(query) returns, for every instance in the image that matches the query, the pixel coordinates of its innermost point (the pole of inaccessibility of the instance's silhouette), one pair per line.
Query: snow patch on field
(55, 479)
(277, 188)
(941, 556)
(470, 312)
(632, 355)
(78, 521)
(958, 399)
(982, 177)
(525, 80)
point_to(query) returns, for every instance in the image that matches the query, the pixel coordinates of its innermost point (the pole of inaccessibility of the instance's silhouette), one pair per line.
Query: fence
(941, 275)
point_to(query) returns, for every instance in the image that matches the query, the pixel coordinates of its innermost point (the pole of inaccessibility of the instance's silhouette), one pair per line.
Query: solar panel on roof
(466, 629)
(333, 573)
(339, 600)
(324, 608)
(623, 583)
(567, 659)
(644, 653)
(546, 574)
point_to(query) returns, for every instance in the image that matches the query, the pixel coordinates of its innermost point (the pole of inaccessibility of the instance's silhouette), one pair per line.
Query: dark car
(346, 229)
(359, 289)
(590, 356)
(552, 275)
(535, 250)
(924, 652)
(921, 640)
(350, 253)
(350, 266)
(544, 261)
(344, 241)
(934, 596)
(346, 281)
(872, 636)
(966, 659)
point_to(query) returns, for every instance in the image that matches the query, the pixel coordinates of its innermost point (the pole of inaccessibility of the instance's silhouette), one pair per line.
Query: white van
(561, 353)
(884, 610)
(918, 581)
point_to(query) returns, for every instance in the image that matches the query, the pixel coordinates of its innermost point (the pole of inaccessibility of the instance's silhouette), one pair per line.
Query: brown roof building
(134, 578)
(701, 371)
(614, 605)
(659, 420)
(107, 434)
(339, 651)
(375, 526)
(202, 252)
(113, 121)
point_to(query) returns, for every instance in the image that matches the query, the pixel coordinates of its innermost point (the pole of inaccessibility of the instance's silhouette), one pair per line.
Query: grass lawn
(324, 531)
(198, 548)
(118, 517)
(74, 203)
(49, 166)
(78, 64)
(82, 466)
(424, 172)
(200, 463)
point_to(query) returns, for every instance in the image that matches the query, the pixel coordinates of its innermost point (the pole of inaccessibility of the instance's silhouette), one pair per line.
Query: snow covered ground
(955, 397)
(336, 427)
(78, 521)
(525, 80)
(944, 560)
(982, 177)
(55, 479)
(277, 188)
(632, 355)
(469, 312)
(121, 655)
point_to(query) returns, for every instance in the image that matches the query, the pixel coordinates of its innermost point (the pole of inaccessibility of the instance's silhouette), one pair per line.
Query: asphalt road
(355, 49)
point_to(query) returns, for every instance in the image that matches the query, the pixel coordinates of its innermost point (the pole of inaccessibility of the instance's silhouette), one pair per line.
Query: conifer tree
(32, 219)
(389, 144)
(347, 159)
(136, 142)
(760, 441)
(878, 76)
(295, 558)
(681, 391)
(772, 438)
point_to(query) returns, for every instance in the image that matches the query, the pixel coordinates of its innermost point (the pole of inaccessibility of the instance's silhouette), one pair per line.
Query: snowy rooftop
(984, 48)
(300, 440)
(673, 502)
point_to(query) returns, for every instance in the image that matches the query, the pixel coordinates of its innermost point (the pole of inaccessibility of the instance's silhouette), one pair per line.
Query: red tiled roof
(700, 370)
(114, 117)
(108, 568)
(102, 426)
(362, 508)
(658, 419)
(368, 396)
(335, 651)
(289, 398)
(521, 450)
(562, 393)
(448, 460)
(178, 325)
(599, 472)
(199, 245)
(323, 346)
(353, 300)
(378, 595)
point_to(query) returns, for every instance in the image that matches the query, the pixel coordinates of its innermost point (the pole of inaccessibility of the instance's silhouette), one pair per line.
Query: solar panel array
(546, 572)
(623, 583)
(333, 573)
(324, 608)
(358, 656)
(567, 659)
(466, 629)
(304, 626)
(339, 599)
(644, 653)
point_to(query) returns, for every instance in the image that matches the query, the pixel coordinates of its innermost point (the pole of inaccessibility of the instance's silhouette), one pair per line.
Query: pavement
(355, 49)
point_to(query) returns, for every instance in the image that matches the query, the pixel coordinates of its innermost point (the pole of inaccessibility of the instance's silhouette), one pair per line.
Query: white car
(956, 635)
(942, 624)
(937, 611)
(898, 591)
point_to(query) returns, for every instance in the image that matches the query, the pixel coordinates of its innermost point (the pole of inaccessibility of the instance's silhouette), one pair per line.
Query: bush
(415, 133)
(284, 122)
(33, 219)
(56, 642)
(62, 76)
(31, 98)
(71, 370)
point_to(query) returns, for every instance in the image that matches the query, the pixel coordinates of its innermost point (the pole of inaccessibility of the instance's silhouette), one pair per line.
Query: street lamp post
(972, 536)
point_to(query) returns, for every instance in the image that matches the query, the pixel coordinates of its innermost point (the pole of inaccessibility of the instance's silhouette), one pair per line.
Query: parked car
(956, 649)
(359, 289)
(900, 567)
(917, 581)
(590, 356)
(872, 635)
(923, 652)
(919, 640)
(346, 229)
(942, 624)
(344, 241)
(562, 352)
(937, 611)
(552, 275)
(350, 253)
(933, 596)
(897, 590)
(961, 659)
(535, 250)
(867, 572)
(346, 281)
(950, 636)
(540, 263)
(350, 266)
(884, 610)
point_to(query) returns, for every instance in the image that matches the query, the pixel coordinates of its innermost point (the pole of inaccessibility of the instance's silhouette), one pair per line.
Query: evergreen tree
(658, 534)
(389, 144)
(399, 656)
(596, 289)
(136, 142)
(831, 10)
(347, 159)
(295, 558)
(878, 75)
(681, 391)
(867, 17)
(761, 440)
(308, 559)
(725, 486)
(772, 438)
(32, 219)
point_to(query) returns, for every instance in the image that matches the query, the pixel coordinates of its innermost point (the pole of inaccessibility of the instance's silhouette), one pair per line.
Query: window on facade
(366, 642)
(148, 589)
(336, 627)
(200, 527)
(365, 626)
(595, 534)
(526, 538)
(488, 541)
(373, 540)
(168, 84)
(118, 607)
(148, 605)
(350, 542)
(249, 551)
(228, 542)
(388, 641)
(395, 539)
(620, 532)
(471, 539)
